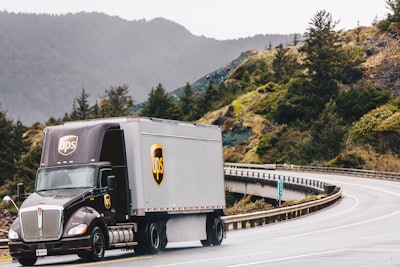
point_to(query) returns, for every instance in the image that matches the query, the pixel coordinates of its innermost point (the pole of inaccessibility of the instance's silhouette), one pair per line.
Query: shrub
(350, 160)
(365, 131)
(246, 206)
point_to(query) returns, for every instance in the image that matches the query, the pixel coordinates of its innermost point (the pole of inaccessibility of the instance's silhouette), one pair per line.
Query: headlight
(78, 230)
(12, 235)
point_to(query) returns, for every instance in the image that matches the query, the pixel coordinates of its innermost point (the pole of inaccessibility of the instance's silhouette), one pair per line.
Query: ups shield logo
(157, 163)
(67, 144)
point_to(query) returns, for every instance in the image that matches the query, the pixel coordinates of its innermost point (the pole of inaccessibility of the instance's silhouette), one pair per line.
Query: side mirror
(21, 192)
(111, 183)
(7, 200)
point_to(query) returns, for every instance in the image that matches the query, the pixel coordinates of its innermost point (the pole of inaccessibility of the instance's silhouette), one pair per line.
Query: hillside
(46, 60)
(369, 137)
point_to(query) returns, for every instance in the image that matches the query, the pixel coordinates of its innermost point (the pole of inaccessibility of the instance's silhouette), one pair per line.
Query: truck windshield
(65, 177)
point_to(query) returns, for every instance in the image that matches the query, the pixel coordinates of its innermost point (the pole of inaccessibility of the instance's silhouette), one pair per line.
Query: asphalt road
(361, 229)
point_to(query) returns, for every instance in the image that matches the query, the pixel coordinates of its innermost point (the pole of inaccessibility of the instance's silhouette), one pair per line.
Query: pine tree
(116, 102)
(296, 39)
(187, 103)
(25, 170)
(83, 110)
(327, 133)
(19, 141)
(394, 6)
(160, 105)
(209, 99)
(324, 57)
(325, 62)
(284, 64)
(6, 150)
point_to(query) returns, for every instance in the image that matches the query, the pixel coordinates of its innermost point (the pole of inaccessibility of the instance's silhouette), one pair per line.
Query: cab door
(107, 205)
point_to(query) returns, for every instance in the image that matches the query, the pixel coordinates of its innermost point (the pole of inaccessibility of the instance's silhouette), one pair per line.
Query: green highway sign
(280, 188)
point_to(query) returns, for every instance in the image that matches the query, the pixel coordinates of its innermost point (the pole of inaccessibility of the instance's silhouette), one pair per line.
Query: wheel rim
(98, 244)
(219, 232)
(154, 237)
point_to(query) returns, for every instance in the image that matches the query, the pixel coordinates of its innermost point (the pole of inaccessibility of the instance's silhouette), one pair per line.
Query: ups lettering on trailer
(67, 144)
(157, 163)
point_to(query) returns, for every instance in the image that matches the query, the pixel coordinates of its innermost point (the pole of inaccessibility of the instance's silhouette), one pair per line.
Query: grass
(5, 255)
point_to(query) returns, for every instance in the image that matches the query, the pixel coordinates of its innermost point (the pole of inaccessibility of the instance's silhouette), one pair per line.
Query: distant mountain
(46, 60)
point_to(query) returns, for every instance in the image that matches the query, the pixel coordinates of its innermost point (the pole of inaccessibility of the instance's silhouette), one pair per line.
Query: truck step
(122, 245)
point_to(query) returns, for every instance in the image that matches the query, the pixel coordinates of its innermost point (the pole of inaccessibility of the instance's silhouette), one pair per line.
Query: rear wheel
(215, 231)
(151, 240)
(28, 261)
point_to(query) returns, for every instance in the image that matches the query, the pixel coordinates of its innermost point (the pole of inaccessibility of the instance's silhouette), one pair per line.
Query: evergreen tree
(26, 170)
(83, 110)
(324, 57)
(209, 99)
(116, 102)
(324, 60)
(327, 133)
(187, 103)
(6, 150)
(160, 105)
(296, 39)
(74, 113)
(13, 145)
(95, 110)
(394, 6)
(19, 141)
(284, 64)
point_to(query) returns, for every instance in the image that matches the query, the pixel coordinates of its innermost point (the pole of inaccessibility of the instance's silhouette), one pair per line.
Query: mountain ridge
(46, 60)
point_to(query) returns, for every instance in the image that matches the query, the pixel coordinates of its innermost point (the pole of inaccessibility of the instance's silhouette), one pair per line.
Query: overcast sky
(220, 19)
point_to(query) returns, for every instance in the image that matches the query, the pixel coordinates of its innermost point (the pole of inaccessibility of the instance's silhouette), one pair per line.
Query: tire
(215, 232)
(27, 261)
(84, 255)
(98, 245)
(153, 238)
(149, 238)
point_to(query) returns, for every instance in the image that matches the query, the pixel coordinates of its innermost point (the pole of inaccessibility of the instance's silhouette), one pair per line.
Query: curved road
(361, 229)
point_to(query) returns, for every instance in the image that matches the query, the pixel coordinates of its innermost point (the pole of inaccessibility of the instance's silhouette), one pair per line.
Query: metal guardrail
(264, 217)
(344, 171)
(3, 243)
(257, 171)
(262, 175)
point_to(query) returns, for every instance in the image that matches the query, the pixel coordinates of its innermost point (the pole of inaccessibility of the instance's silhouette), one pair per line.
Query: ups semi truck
(135, 183)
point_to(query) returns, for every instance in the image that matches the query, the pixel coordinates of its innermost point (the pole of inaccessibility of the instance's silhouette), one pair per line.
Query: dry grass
(375, 161)
(5, 255)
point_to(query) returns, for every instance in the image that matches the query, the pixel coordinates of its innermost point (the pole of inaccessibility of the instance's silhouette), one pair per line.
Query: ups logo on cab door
(67, 144)
(157, 163)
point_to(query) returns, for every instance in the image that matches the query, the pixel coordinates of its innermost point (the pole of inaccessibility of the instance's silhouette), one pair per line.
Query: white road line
(314, 254)
(211, 259)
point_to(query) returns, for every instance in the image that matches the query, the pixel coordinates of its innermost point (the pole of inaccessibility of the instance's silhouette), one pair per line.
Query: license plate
(41, 252)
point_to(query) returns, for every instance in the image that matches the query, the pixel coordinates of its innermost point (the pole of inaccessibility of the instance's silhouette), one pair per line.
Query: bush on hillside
(365, 131)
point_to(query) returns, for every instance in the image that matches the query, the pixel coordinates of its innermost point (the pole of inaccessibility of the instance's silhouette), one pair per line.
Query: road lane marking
(111, 261)
(312, 255)
(356, 223)
(185, 263)
(239, 233)
(342, 226)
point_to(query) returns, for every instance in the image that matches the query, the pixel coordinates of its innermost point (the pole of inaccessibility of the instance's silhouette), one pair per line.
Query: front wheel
(98, 245)
(27, 261)
(215, 231)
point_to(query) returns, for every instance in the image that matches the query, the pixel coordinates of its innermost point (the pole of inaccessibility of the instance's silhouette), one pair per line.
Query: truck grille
(41, 223)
